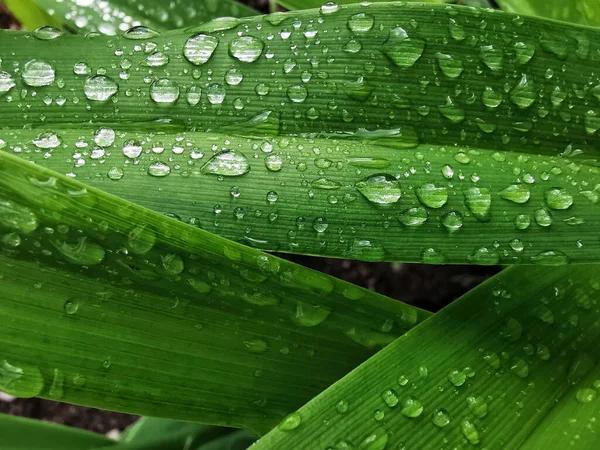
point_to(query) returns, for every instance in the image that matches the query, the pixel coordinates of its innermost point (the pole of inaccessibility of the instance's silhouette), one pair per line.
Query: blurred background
(428, 287)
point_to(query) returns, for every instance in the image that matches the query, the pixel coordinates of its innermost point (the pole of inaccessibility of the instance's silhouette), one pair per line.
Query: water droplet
(164, 91)
(470, 431)
(47, 33)
(141, 239)
(256, 345)
(411, 407)
(228, 163)
(457, 377)
(104, 137)
(369, 163)
(139, 33)
(457, 32)
(330, 8)
(17, 217)
(297, 93)
(375, 441)
(485, 256)
(199, 48)
(71, 307)
(358, 90)
(451, 111)
(516, 193)
(479, 202)
(115, 173)
(132, 149)
(519, 367)
(551, 258)
(452, 221)
(56, 390)
(246, 48)
(382, 189)
(100, 88)
(37, 73)
(290, 422)
(414, 217)
(274, 163)
(157, 59)
(450, 66)
(491, 98)
(478, 406)
(492, 57)
(523, 52)
(342, 406)
(523, 94)
(159, 169)
(7, 82)
(320, 224)
(22, 380)
(390, 397)
(432, 196)
(441, 418)
(558, 198)
(361, 22)
(307, 315)
(47, 141)
(543, 217)
(403, 50)
(585, 395)
(84, 252)
(432, 256)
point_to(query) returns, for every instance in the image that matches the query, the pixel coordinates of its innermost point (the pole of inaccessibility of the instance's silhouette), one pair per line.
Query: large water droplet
(414, 217)
(390, 397)
(478, 406)
(381, 189)
(470, 431)
(451, 111)
(375, 441)
(132, 149)
(139, 33)
(307, 315)
(558, 198)
(228, 163)
(516, 193)
(479, 202)
(47, 141)
(523, 94)
(20, 380)
(164, 91)
(361, 22)
(246, 48)
(7, 82)
(441, 418)
(401, 49)
(297, 93)
(47, 33)
(492, 57)
(450, 66)
(37, 73)
(199, 48)
(84, 252)
(290, 422)
(159, 169)
(411, 407)
(99, 88)
(432, 196)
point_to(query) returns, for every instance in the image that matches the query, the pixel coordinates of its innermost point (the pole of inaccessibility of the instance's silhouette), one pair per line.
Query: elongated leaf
(330, 6)
(585, 12)
(338, 157)
(488, 370)
(115, 16)
(19, 433)
(110, 305)
(30, 15)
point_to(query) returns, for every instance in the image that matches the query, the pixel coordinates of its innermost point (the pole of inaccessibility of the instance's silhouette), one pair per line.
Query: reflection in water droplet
(164, 91)
(199, 48)
(382, 189)
(100, 88)
(246, 48)
(37, 73)
(228, 163)
(403, 50)
(432, 196)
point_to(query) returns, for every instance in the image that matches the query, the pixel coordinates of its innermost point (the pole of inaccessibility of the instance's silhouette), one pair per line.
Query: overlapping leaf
(382, 132)
(512, 364)
(585, 12)
(110, 305)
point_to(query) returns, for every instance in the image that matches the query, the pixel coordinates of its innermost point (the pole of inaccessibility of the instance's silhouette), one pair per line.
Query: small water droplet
(290, 422)
(390, 397)
(361, 22)
(470, 431)
(246, 48)
(516, 193)
(411, 407)
(159, 169)
(100, 88)
(403, 50)
(139, 33)
(164, 91)
(432, 196)
(441, 418)
(229, 163)
(558, 198)
(71, 307)
(382, 189)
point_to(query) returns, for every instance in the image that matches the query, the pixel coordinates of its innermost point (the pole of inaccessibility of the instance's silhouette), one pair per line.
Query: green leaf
(30, 15)
(488, 370)
(585, 12)
(115, 16)
(329, 6)
(319, 177)
(114, 306)
(19, 433)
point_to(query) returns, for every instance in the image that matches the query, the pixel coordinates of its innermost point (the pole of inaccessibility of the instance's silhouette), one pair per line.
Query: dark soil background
(429, 287)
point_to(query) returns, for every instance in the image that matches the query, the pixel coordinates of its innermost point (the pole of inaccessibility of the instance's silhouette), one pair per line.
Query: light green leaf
(319, 176)
(115, 16)
(330, 6)
(30, 15)
(488, 370)
(113, 306)
(585, 12)
(19, 433)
